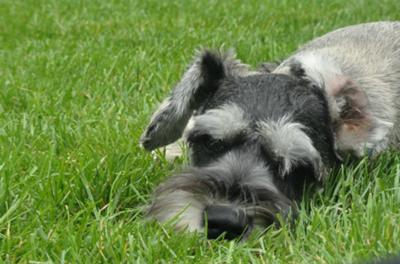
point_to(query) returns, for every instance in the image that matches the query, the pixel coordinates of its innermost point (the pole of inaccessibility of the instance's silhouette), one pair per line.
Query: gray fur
(289, 142)
(169, 121)
(258, 138)
(368, 55)
(184, 196)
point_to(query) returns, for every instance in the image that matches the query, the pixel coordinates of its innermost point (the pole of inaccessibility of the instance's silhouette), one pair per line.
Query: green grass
(78, 82)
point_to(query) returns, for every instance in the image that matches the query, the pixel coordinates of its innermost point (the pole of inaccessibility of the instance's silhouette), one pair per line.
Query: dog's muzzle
(225, 221)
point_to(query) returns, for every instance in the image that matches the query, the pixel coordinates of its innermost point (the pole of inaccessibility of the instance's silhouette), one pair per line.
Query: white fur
(289, 142)
(224, 122)
(322, 69)
(183, 208)
(174, 150)
(256, 173)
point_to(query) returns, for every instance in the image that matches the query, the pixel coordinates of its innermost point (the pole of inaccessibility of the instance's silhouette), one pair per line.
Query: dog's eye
(208, 143)
(215, 145)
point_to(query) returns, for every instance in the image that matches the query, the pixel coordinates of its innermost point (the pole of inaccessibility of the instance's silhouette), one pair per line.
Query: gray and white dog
(258, 138)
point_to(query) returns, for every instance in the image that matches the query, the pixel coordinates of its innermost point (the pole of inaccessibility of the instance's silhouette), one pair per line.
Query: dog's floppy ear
(198, 83)
(357, 130)
(351, 116)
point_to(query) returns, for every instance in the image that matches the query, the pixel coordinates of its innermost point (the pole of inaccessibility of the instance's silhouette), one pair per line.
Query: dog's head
(255, 140)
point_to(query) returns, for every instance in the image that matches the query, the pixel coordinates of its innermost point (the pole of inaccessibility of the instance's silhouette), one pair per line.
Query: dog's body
(258, 137)
(368, 56)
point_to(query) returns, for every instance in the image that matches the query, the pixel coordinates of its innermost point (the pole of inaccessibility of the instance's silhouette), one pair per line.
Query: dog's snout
(225, 220)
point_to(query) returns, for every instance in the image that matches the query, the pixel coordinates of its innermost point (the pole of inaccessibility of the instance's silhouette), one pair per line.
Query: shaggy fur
(257, 139)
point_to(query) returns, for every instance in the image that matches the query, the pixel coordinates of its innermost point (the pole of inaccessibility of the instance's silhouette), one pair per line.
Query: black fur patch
(212, 72)
(270, 97)
(297, 70)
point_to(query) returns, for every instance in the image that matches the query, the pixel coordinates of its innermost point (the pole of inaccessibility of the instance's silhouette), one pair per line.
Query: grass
(78, 82)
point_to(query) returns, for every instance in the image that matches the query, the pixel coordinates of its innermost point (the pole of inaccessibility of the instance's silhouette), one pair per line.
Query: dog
(259, 138)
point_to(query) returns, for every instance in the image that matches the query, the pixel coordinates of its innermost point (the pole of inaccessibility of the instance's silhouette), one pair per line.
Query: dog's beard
(242, 185)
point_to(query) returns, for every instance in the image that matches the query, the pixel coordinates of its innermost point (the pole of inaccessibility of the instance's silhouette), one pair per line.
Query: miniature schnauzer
(259, 138)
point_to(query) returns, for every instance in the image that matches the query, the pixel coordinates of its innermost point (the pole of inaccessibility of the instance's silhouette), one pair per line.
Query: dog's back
(368, 55)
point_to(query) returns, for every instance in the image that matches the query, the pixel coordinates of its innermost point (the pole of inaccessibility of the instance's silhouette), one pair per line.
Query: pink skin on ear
(352, 120)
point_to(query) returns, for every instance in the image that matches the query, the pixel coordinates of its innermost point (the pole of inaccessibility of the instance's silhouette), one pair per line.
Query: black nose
(221, 219)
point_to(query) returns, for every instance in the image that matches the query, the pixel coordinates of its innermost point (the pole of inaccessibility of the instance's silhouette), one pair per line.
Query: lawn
(78, 82)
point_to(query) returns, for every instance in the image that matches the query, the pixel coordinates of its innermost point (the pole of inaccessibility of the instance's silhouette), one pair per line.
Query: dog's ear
(351, 116)
(198, 83)
(351, 103)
